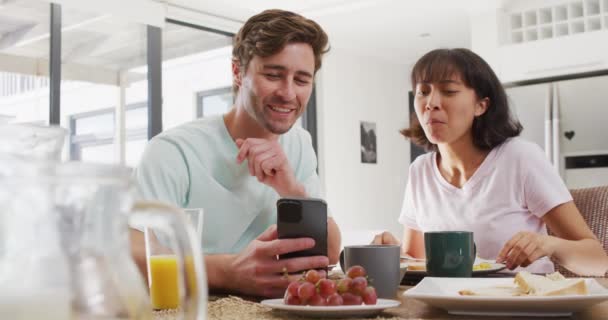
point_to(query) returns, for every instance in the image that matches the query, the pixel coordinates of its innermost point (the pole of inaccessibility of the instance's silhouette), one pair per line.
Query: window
(196, 63)
(213, 102)
(104, 62)
(92, 135)
(103, 66)
(136, 133)
(24, 46)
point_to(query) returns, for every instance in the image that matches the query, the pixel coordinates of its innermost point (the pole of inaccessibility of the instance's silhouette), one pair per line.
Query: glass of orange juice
(164, 268)
(195, 215)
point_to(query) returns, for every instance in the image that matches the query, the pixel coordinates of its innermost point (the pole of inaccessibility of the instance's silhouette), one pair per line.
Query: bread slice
(556, 276)
(527, 284)
(552, 285)
(497, 291)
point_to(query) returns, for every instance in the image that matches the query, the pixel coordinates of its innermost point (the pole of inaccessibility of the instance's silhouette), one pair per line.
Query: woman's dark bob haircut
(491, 128)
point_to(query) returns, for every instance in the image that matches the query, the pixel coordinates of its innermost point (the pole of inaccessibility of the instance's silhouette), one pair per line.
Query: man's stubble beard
(259, 115)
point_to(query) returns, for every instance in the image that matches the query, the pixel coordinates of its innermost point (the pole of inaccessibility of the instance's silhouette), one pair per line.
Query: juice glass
(164, 266)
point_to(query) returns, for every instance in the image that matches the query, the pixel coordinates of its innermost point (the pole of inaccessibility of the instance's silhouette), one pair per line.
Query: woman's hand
(385, 238)
(524, 248)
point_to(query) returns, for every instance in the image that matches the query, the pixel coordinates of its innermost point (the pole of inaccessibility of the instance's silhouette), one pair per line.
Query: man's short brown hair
(268, 32)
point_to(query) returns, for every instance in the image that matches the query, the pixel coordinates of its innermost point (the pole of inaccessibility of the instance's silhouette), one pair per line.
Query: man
(236, 166)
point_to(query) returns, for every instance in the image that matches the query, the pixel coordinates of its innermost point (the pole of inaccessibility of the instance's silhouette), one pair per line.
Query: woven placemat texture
(235, 308)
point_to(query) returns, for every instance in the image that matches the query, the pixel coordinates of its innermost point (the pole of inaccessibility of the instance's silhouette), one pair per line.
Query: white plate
(443, 293)
(333, 311)
(495, 267)
(402, 270)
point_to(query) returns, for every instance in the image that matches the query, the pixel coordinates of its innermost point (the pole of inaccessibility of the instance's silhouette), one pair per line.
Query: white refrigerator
(569, 120)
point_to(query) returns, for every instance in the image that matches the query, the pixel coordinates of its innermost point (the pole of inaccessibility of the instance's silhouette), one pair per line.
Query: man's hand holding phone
(257, 271)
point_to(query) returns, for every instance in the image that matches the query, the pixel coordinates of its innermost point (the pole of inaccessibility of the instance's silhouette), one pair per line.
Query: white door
(584, 127)
(584, 115)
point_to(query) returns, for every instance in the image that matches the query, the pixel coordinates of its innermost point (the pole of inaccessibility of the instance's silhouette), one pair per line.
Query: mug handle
(342, 261)
(474, 252)
(173, 223)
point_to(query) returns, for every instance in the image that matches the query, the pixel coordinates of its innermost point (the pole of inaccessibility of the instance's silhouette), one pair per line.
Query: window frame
(154, 75)
(78, 142)
(200, 108)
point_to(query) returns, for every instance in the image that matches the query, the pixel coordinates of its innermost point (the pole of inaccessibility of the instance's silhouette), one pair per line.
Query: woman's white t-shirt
(510, 192)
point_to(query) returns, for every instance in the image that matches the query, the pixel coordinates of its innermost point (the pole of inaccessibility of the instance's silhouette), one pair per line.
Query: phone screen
(303, 218)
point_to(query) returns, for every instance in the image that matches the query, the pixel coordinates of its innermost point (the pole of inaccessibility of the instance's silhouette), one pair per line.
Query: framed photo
(368, 142)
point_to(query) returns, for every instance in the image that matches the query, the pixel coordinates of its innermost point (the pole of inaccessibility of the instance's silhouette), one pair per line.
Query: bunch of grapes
(316, 290)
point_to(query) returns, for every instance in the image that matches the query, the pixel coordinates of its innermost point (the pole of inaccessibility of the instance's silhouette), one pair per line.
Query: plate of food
(343, 311)
(313, 295)
(417, 267)
(524, 295)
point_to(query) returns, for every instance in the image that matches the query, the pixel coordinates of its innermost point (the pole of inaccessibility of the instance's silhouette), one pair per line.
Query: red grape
(316, 300)
(292, 300)
(370, 296)
(306, 291)
(356, 271)
(312, 276)
(322, 274)
(351, 299)
(292, 288)
(314, 289)
(344, 285)
(326, 287)
(358, 285)
(334, 300)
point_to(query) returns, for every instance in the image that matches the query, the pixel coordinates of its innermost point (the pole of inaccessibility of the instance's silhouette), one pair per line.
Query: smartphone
(303, 218)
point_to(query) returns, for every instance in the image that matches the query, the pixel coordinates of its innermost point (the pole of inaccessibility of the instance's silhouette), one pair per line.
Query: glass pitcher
(31, 141)
(34, 272)
(64, 244)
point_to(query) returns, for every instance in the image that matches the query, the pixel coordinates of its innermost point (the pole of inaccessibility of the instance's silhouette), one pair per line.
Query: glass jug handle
(173, 224)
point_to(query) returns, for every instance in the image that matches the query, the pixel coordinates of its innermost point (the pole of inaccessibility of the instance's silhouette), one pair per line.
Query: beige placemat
(235, 308)
(170, 314)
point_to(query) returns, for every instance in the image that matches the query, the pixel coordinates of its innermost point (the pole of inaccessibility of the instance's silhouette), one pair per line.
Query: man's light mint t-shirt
(194, 166)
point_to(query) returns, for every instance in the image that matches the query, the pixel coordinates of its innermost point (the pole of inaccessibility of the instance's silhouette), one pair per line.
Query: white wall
(485, 38)
(353, 89)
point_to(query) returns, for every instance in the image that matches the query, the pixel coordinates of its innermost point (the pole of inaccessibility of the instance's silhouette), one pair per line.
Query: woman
(481, 177)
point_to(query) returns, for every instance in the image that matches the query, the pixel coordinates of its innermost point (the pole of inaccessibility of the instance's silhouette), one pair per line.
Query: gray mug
(381, 263)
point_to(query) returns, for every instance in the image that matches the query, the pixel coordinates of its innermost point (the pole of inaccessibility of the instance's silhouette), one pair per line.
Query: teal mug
(449, 253)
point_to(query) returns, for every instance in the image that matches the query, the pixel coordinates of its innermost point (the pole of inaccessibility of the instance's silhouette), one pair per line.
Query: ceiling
(91, 39)
(399, 31)
(395, 30)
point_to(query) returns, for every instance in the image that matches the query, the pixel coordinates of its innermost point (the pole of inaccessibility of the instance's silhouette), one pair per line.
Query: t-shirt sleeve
(544, 189)
(162, 174)
(408, 210)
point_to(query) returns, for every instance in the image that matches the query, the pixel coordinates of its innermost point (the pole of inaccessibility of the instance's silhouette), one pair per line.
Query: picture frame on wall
(368, 142)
